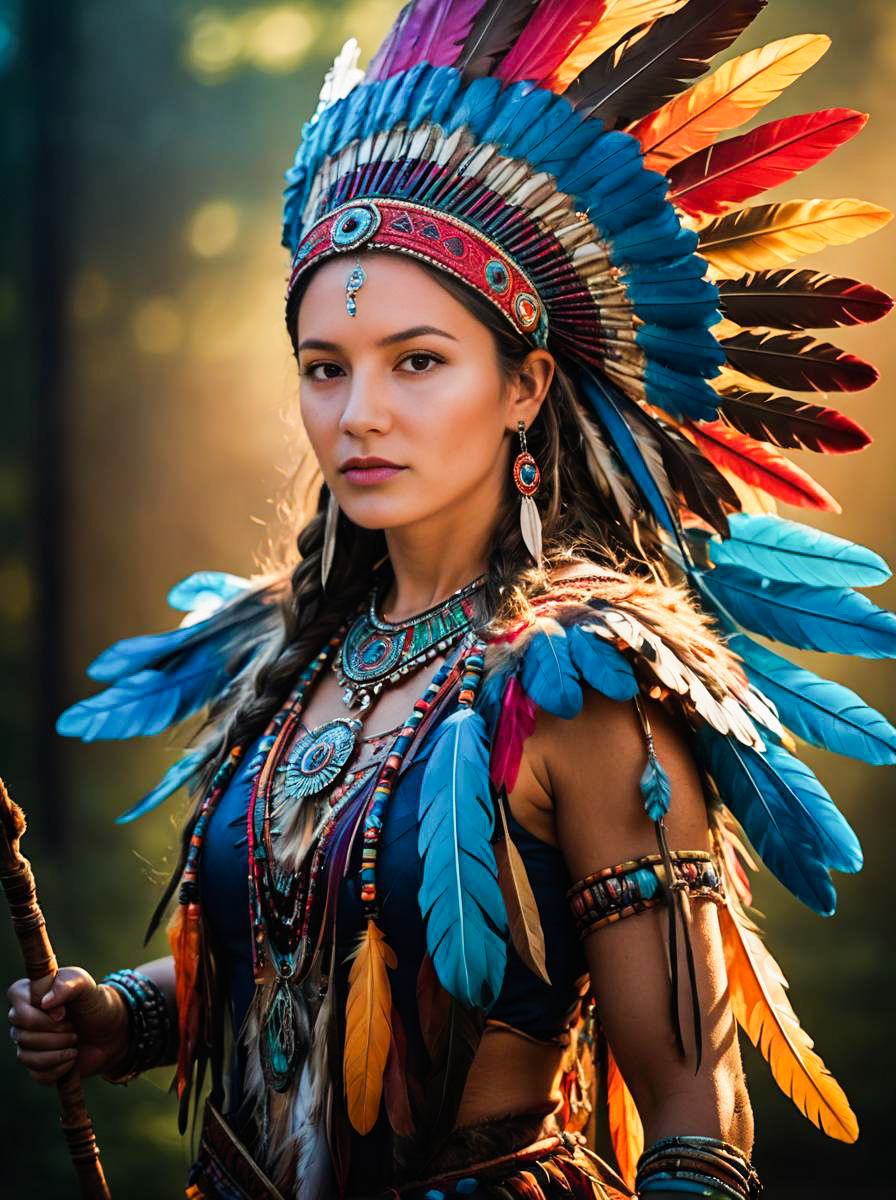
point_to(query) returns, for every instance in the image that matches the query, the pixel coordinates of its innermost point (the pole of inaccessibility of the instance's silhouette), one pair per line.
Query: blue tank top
(525, 1001)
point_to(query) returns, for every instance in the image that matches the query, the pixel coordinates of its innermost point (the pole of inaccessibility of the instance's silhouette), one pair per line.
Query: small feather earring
(329, 547)
(527, 477)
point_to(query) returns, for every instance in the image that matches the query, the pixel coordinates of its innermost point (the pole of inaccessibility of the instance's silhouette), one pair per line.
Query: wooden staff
(28, 922)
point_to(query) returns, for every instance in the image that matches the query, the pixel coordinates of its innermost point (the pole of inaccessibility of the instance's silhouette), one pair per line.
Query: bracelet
(697, 1166)
(152, 1026)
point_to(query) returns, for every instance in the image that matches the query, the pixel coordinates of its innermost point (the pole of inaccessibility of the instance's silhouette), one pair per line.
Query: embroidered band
(639, 884)
(433, 237)
(700, 1166)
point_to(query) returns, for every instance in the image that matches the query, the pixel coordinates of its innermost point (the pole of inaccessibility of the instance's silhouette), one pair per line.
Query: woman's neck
(428, 568)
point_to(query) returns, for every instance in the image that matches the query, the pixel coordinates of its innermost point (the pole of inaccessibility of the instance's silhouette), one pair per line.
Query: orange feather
(727, 98)
(626, 1130)
(368, 1028)
(775, 235)
(184, 935)
(619, 17)
(762, 1008)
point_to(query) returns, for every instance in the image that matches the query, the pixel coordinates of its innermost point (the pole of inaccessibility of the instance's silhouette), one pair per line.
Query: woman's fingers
(46, 1066)
(29, 1040)
(23, 1015)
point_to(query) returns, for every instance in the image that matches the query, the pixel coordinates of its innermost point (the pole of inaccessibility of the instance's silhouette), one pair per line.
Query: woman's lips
(370, 475)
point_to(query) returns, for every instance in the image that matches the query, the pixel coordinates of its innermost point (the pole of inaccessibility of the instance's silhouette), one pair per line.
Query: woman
(405, 884)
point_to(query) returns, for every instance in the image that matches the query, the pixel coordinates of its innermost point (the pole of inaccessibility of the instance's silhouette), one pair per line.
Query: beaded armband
(639, 884)
(697, 1166)
(150, 1020)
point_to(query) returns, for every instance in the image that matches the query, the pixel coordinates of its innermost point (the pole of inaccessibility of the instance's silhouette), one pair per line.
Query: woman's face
(404, 403)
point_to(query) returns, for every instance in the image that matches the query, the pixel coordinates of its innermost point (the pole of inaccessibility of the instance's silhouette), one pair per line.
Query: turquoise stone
(527, 474)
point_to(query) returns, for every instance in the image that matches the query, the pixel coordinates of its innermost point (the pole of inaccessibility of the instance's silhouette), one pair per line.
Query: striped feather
(797, 361)
(632, 78)
(720, 177)
(791, 424)
(775, 235)
(727, 98)
(617, 19)
(760, 466)
(801, 299)
(761, 1006)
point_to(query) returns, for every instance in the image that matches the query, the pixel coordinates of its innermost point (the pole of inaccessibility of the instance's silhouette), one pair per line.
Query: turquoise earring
(527, 477)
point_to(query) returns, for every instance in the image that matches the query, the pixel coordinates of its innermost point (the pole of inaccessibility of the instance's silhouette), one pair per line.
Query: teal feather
(460, 898)
(175, 777)
(811, 618)
(600, 664)
(549, 675)
(818, 710)
(654, 787)
(206, 589)
(794, 553)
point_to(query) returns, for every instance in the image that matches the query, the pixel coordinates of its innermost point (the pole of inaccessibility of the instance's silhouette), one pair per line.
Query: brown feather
(523, 918)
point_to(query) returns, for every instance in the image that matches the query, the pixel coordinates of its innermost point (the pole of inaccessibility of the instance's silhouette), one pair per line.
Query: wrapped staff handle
(28, 923)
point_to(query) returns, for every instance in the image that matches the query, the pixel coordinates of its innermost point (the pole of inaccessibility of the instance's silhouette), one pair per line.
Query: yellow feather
(759, 999)
(626, 1130)
(752, 499)
(368, 1028)
(618, 18)
(727, 98)
(775, 235)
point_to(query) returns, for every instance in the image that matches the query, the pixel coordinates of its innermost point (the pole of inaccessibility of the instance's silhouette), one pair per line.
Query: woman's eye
(419, 362)
(322, 370)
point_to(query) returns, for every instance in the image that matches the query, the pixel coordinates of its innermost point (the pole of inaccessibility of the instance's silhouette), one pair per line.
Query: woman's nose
(365, 410)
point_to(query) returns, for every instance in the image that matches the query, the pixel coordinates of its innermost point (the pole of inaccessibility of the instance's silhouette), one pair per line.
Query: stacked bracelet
(697, 1166)
(150, 1019)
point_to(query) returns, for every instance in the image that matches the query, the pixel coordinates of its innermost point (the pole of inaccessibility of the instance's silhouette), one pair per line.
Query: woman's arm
(591, 766)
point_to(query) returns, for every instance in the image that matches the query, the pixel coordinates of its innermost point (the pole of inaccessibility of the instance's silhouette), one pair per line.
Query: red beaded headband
(433, 237)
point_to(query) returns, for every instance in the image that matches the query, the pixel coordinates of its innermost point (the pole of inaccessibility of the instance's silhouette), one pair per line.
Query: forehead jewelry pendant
(353, 285)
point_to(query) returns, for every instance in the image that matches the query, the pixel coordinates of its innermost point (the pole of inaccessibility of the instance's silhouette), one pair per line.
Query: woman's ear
(528, 388)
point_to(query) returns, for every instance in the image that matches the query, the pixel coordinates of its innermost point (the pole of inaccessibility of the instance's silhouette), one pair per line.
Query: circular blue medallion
(354, 226)
(317, 758)
(497, 276)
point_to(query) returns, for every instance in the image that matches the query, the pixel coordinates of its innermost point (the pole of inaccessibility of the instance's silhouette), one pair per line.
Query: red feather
(796, 360)
(556, 28)
(791, 424)
(722, 176)
(395, 1081)
(760, 465)
(515, 724)
(792, 299)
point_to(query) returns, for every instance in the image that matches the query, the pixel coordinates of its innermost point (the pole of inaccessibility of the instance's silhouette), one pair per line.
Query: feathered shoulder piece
(157, 680)
(626, 636)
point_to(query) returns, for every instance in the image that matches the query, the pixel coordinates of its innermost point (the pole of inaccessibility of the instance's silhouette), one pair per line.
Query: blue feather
(789, 818)
(811, 618)
(818, 710)
(490, 696)
(548, 674)
(601, 665)
(206, 588)
(680, 394)
(654, 787)
(174, 778)
(606, 154)
(693, 349)
(640, 199)
(460, 899)
(656, 239)
(606, 407)
(795, 553)
(671, 297)
(436, 92)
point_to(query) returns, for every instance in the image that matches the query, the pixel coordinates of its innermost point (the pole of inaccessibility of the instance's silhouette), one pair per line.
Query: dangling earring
(527, 477)
(329, 547)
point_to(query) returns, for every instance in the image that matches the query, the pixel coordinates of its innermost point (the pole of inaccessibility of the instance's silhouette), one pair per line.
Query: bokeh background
(147, 393)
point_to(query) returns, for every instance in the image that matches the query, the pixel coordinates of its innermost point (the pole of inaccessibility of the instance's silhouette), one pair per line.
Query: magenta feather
(515, 724)
(556, 28)
(431, 31)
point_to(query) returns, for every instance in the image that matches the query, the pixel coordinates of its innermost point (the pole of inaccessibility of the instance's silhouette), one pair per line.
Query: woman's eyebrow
(403, 335)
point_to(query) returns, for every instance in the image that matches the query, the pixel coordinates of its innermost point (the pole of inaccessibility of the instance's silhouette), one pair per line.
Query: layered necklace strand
(284, 911)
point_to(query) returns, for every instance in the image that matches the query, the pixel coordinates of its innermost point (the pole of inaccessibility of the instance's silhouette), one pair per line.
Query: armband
(640, 884)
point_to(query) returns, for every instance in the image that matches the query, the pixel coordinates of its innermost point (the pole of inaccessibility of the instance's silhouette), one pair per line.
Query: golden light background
(175, 376)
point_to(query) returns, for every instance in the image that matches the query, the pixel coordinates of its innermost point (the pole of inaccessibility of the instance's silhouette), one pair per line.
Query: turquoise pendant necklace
(377, 652)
